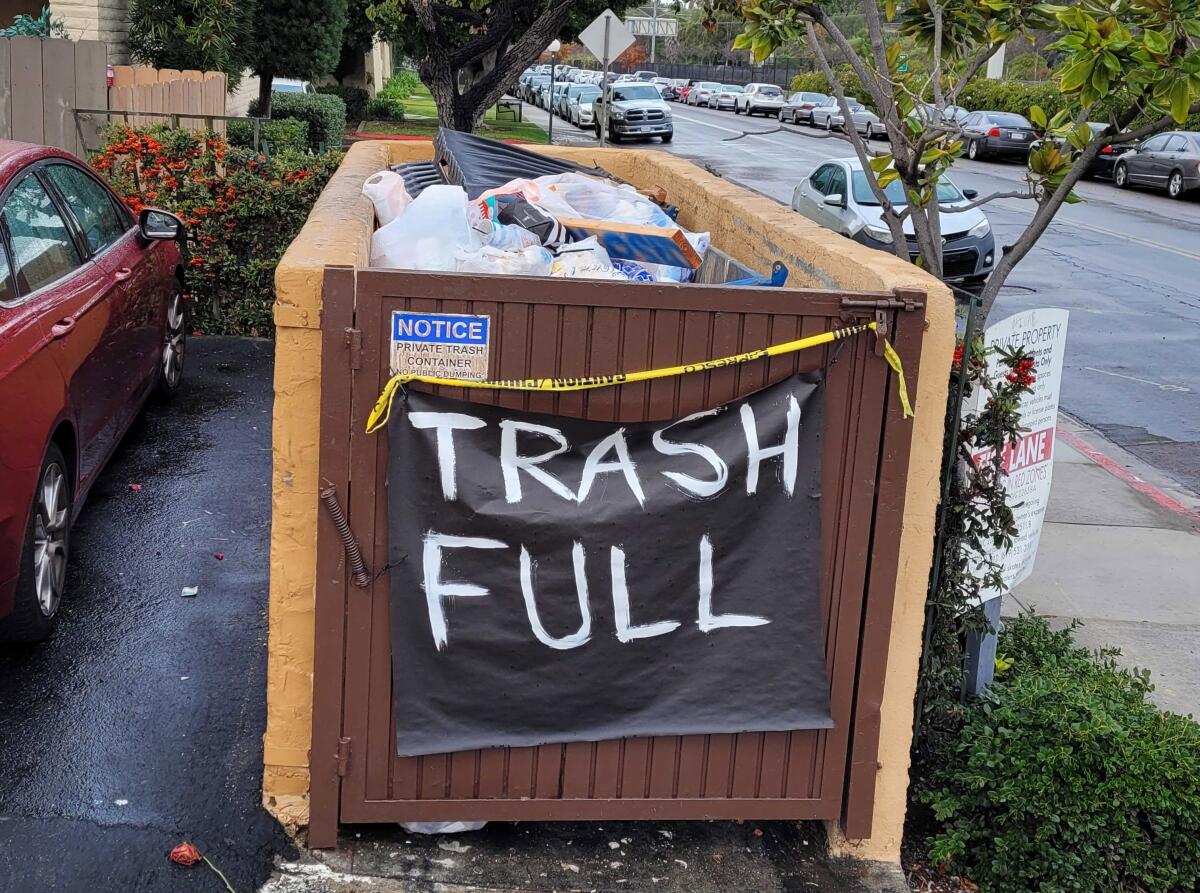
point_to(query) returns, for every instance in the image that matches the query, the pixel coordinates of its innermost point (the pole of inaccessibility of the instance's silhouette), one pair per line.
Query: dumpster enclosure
(330, 747)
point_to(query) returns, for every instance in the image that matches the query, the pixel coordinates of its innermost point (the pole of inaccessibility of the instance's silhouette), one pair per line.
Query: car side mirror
(836, 200)
(970, 193)
(157, 225)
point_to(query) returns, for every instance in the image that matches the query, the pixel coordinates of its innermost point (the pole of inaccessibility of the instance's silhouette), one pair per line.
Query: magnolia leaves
(1136, 47)
(769, 24)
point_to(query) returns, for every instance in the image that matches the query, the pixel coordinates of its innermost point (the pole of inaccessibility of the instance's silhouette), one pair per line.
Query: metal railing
(173, 119)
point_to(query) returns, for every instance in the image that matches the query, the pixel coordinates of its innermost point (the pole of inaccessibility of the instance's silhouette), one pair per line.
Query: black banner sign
(563, 580)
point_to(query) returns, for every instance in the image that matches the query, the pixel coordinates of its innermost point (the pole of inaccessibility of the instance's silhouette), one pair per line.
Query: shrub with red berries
(241, 208)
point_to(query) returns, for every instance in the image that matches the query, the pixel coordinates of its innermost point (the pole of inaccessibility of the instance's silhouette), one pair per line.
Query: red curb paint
(1116, 469)
(406, 137)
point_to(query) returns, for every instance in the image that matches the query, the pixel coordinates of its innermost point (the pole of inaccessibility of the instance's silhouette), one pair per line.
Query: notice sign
(555, 579)
(1030, 463)
(444, 345)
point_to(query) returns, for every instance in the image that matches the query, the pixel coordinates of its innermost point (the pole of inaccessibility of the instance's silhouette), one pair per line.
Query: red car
(91, 323)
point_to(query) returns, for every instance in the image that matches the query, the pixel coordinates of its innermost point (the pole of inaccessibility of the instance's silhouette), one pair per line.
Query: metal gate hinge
(343, 757)
(354, 343)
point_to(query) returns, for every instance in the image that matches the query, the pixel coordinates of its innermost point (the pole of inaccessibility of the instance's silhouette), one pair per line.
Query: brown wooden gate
(577, 327)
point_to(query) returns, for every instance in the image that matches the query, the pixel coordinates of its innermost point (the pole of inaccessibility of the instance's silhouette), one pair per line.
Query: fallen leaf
(220, 556)
(758, 832)
(135, 487)
(567, 866)
(667, 834)
(681, 862)
(185, 854)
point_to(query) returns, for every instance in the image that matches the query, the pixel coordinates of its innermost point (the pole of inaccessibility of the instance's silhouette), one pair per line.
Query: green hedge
(324, 114)
(356, 99)
(385, 108)
(1066, 779)
(281, 134)
(401, 85)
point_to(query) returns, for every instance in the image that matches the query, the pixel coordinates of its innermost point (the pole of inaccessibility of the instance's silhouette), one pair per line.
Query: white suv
(763, 99)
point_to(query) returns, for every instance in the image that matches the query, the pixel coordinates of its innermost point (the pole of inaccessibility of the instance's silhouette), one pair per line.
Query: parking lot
(1125, 262)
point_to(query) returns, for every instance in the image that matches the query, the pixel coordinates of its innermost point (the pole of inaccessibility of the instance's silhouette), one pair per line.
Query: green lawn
(421, 103)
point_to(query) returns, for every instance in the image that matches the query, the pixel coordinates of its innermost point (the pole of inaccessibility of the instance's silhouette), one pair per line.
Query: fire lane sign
(449, 345)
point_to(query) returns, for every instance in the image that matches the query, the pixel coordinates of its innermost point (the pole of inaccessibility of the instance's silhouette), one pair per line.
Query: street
(139, 724)
(1125, 263)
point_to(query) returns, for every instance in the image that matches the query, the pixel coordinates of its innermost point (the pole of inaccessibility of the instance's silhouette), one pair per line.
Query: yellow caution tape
(383, 406)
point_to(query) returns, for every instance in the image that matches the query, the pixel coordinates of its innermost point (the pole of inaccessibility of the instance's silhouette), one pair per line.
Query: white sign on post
(1030, 463)
(620, 38)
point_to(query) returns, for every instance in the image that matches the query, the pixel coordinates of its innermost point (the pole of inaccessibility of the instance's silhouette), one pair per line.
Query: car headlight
(618, 115)
(981, 229)
(879, 233)
(666, 112)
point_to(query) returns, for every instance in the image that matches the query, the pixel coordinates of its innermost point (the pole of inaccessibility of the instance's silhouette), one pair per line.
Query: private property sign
(1030, 462)
(449, 345)
(557, 579)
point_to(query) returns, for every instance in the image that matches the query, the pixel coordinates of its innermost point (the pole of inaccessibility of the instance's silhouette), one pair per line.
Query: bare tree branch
(958, 209)
(807, 134)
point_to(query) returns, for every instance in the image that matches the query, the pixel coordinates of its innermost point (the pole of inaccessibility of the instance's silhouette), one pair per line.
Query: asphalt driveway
(139, 724)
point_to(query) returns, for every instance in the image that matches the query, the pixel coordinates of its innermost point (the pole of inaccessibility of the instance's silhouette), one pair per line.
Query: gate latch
(904, 300)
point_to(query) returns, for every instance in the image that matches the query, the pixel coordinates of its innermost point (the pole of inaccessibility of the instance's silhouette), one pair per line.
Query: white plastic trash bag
(387, 193)
(585, 259)
(429, 234)
(531, 261)
(441, 827)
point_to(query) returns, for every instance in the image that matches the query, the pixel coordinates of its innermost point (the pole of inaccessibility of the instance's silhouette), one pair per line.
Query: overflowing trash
(569, 224)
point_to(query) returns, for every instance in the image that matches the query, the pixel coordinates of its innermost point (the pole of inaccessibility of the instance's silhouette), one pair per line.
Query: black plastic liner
(419, 174)
(478, 164)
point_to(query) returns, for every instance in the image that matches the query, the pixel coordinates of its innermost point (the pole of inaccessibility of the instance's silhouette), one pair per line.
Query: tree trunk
(265, 80)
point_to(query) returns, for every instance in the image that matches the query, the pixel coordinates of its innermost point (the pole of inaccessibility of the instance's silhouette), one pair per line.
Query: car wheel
(613, 136)
(1175, 184)
(829, 124)
(170, 363)
(737, 109)
(666, 137)
(1121, 177)
(973, 150)
(43, 564)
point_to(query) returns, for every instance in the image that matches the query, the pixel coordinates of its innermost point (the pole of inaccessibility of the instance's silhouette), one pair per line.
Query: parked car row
(636, 107)
(1169, 161)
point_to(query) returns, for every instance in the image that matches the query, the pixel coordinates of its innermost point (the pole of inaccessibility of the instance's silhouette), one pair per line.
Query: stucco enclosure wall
(752, 228)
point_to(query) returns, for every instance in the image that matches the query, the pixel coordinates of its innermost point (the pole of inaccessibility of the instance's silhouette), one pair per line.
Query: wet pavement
(139, 724)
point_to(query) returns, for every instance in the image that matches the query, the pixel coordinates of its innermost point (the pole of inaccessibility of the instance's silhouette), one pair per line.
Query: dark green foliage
(357, 38)
(324, 114)
(1066, 780)
(206, 35)
(277, 135)
(385, 108)
(356, 99)
(298, 38)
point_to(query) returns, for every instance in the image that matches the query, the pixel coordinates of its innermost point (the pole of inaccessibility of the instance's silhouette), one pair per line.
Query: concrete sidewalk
(1120, 551)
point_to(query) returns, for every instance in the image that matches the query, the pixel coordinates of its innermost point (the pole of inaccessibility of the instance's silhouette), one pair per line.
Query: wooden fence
(191, 95)
(42, 82)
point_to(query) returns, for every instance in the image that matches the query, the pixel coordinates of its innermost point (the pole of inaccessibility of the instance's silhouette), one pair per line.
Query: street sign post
(606, 38)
